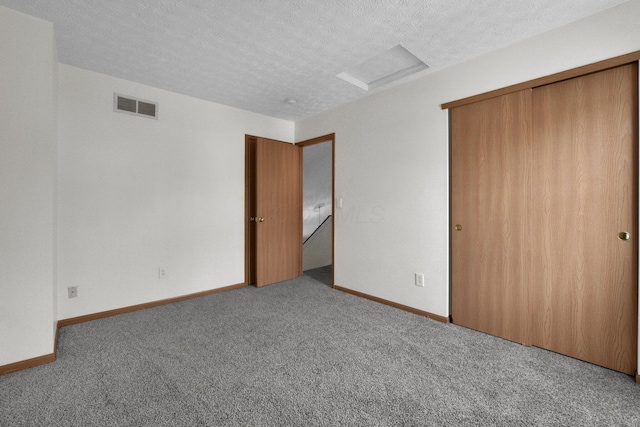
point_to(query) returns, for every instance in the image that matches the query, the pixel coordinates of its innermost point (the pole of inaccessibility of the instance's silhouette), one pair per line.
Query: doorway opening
(269, 164)
(318, 208)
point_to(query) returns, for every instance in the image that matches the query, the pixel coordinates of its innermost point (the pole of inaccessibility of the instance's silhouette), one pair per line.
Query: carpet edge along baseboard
(442, 319)
(29, 363)
(129, 309)
(48, 358)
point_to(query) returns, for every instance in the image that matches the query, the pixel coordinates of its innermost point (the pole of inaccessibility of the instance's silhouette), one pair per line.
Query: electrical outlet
(420, 279)
(162, 272)
(72, 291)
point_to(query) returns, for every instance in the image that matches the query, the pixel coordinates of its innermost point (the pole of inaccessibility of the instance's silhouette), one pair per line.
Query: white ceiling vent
(387, 67)
(139, 107)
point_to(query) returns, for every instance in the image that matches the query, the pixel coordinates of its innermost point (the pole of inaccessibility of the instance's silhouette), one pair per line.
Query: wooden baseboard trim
(394, 304)
(29, 363)
(131, 308)
(36, 361)
(48, 358)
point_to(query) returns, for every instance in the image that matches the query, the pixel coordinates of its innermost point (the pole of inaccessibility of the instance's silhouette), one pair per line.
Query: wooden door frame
(319, 140)
(249, 200)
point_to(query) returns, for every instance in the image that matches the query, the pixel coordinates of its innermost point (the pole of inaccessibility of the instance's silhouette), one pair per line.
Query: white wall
(392, 158)
(27, 162)
(136, 194)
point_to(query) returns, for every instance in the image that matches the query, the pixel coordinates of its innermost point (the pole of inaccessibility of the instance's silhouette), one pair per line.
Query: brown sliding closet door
(490, 179)
(584, 283)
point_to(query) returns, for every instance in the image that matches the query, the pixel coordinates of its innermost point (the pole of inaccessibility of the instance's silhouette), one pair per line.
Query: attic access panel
(384, 68)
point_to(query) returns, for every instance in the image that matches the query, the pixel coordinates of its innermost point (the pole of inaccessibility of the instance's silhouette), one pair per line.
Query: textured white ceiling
(253, 54)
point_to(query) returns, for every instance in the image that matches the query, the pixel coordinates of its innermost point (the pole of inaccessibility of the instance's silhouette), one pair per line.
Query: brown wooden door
(278, 211)
(490, 180)
(584, 293)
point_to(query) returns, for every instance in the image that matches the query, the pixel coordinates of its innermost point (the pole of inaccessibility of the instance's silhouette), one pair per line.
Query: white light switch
(339, 202)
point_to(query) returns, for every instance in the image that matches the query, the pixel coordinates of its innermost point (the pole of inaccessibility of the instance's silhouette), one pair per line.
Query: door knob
(458, 227)
(623, 235)
(257, 219)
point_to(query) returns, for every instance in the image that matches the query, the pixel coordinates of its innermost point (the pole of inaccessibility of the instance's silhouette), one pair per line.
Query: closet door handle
(623, 235)
(458, 227)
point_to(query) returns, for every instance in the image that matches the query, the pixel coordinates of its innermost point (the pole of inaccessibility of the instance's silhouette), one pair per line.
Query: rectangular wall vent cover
(131, 105)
